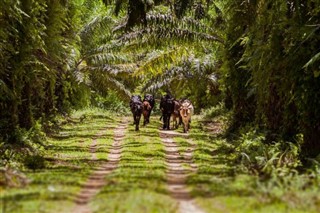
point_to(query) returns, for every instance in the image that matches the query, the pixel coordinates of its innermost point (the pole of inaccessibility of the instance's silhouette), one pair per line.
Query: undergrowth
(36, 182)
(269, 176)
(241, 174)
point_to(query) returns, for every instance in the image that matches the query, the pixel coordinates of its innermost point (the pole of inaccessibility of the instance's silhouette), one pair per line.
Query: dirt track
(177, 173)
(96, 180)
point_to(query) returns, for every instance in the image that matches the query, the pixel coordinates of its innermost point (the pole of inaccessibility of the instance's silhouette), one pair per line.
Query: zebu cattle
(148, 104)
(167, 108)
(176, 114)
(136, 107)
(186, 110)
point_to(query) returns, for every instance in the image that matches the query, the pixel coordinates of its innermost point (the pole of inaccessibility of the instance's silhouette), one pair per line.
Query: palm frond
(119, 86)
(190, 69)
(102, 81)
(106, 58)
(127, 68)
(110, 69)
(314, 59)
(166, 27)
(102, 23)
(156, 19)
(158, 60)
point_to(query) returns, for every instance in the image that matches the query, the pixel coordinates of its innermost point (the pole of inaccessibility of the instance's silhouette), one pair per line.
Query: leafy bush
(21, 145)
(215, 111)
(277, 169)
(111, 102)
(264, 159)
(34, 162)
(23, 149)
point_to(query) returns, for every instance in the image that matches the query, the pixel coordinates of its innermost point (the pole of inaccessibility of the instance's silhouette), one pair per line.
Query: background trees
(39, 50)
(261, 57)
(272, 46)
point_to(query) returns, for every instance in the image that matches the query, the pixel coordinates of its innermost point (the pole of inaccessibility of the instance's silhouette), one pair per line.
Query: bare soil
(177, 173)
(96, 180)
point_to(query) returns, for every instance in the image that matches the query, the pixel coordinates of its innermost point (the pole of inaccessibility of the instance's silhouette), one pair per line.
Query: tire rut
(177, 174)
(96, 180)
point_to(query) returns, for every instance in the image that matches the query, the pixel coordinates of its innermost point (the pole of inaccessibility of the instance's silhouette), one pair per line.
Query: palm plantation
(69, 68)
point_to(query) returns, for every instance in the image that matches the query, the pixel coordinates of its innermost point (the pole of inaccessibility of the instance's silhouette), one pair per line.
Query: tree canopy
(260, 58)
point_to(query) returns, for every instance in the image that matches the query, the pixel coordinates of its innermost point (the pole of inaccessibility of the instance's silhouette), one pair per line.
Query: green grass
(243, 204)
(219, 185)
(138, 185)
(134, 200)
(139, 182)
(68, 163)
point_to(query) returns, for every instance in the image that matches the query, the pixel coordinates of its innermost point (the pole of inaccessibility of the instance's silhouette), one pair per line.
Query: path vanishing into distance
(96, 180)
(98, 163)
(177, 173)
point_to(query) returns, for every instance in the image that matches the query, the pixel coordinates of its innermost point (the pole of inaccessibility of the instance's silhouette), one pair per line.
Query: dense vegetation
(273, 69)
(256, 62)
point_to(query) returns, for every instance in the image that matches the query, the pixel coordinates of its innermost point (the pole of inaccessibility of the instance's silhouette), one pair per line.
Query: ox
(176, 114)
(167, 108)
(186, 110)
(148, 104)
(136, 107)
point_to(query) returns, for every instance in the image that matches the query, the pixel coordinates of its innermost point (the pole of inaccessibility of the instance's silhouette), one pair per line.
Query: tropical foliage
(261, 58)
(271, 66)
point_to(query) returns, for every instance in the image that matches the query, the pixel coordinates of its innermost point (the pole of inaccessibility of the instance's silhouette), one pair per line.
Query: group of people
(170, 107)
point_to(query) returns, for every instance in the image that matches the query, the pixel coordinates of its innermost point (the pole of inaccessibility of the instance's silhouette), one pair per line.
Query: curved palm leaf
(165, 27)
(188, 72)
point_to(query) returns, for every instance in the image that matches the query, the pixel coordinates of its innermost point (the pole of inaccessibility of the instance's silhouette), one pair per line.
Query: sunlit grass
(68, 163)
(243, 204)
(138, 185)
(134, 200)
(219, 186)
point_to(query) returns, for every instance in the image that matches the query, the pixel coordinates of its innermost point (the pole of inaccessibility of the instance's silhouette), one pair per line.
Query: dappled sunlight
(119, 163)
(232, 87)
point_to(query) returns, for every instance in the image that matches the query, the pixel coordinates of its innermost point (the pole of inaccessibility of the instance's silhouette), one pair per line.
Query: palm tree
(143, 53)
